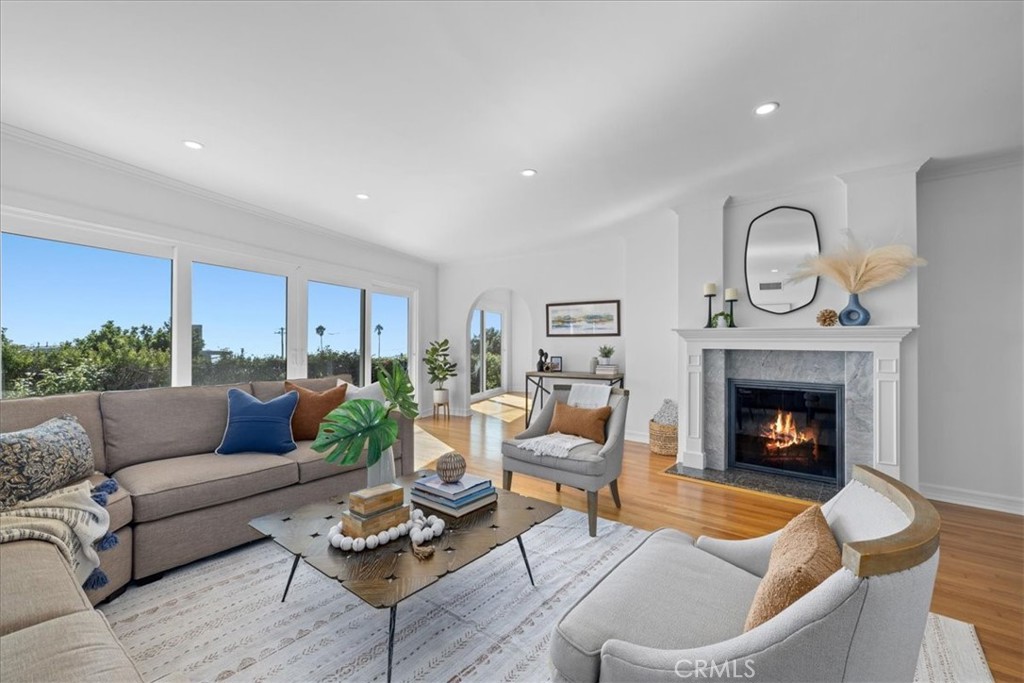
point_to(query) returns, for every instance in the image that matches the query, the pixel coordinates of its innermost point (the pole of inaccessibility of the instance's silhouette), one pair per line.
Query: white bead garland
(420, 529)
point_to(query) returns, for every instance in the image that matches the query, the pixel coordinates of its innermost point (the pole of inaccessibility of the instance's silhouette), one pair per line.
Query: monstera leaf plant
(367, 422)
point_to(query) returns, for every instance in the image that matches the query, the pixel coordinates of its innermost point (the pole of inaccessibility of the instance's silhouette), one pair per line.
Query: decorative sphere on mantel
(450, 467)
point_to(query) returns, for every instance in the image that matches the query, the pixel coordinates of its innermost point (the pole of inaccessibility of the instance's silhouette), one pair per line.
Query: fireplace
(789, 428)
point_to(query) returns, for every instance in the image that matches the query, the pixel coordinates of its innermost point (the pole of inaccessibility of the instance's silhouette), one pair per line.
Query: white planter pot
(440, 396)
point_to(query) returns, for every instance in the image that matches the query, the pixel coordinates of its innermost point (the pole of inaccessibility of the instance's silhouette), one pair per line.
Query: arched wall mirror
(777, 242)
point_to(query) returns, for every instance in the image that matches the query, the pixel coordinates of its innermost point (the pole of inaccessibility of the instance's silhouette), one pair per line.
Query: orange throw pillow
(804, 555)
(585, 422)
(312, 407)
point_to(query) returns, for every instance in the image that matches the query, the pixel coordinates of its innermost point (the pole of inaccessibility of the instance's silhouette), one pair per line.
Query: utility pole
(280, 331)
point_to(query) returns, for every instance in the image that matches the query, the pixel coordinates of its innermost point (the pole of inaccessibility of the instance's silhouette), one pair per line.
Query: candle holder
(709, 297)
(732, 318)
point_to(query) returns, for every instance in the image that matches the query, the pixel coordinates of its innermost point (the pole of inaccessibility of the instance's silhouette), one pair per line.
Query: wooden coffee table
(386, 575)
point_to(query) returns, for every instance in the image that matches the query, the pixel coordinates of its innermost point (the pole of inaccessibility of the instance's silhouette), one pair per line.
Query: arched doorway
(498, 341)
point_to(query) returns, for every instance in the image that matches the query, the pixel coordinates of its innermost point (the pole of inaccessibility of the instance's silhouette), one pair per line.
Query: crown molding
(820, 185)
(10, 132)
(939, 169)
(904, 168)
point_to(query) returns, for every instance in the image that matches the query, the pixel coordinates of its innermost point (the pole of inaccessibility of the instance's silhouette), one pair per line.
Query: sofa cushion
(312, 465)
(41, 459)
(36, 584)
(168, 487)
(151, 424)
(267, 389)
(666, 594)
(258, 427)
(313, 407)
(588, 423)
(119, 503)
(21, 413)
(75, 647)
(583, 459)
(804, 555)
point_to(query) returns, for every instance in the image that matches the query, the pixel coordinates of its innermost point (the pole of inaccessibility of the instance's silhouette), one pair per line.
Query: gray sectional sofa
(178, 502)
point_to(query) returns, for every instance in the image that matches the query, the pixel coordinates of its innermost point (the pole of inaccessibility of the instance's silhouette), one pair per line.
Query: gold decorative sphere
(450, 467)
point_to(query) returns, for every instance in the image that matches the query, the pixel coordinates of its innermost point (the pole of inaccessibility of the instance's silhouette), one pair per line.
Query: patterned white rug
(222, 618)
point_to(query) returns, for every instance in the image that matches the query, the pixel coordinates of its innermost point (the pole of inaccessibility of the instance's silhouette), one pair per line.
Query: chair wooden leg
(558, 487)
(614, 486)
(507, 480)
(592, 512)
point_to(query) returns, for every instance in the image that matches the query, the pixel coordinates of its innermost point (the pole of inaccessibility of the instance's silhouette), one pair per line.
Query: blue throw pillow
(258, 427)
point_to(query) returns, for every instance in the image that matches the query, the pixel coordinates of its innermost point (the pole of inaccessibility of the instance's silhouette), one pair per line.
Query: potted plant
(605, 352)
(367, 422)
(440, 368)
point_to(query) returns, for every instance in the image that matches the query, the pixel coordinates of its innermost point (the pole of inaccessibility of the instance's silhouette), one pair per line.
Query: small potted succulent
(440, 368)
(605, 353)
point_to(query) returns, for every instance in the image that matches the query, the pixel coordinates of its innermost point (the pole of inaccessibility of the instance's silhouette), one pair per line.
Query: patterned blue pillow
(258, 427)
(36, 461)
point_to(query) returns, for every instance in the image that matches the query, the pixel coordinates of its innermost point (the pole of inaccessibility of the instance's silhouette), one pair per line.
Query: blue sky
(52, 292)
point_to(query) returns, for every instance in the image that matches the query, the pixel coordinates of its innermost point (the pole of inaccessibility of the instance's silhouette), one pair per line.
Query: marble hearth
(866, 361)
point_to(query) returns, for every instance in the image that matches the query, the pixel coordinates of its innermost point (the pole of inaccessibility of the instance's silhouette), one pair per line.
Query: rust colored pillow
(313, 406)
(804, 555)
(585, 422)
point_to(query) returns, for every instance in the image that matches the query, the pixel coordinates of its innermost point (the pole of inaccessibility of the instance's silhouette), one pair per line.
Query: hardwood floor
(981, 568)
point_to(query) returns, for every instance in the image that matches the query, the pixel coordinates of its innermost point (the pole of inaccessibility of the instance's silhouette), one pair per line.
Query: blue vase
(854, 314)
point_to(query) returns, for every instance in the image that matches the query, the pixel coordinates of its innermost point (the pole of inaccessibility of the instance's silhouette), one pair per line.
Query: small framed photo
(556, 363)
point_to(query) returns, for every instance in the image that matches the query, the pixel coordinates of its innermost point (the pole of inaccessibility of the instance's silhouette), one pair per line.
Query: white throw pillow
(372, 391)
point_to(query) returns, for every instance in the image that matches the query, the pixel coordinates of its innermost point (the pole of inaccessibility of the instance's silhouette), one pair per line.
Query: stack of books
(607, 369)
(455, 500)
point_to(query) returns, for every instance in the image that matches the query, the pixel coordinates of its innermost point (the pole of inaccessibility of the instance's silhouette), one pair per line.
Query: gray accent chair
(589, 467)
(675, 607)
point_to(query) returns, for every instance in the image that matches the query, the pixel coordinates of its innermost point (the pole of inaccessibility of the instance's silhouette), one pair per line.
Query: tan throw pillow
(313, 406)
(804, 555)
(585, 422)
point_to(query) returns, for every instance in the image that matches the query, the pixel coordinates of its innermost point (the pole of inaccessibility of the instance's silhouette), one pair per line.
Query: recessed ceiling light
(766, 108)
(528, 173)
(192, 144)
(775, 270)
(362, 196)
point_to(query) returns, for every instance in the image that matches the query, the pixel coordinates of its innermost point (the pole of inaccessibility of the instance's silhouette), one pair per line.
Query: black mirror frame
(746, 250)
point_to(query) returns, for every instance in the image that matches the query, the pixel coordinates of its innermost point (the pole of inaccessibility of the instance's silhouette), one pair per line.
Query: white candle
(732, 294)
(710, 289)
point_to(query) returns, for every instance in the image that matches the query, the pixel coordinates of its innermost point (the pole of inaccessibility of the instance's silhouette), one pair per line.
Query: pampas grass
(857, 270)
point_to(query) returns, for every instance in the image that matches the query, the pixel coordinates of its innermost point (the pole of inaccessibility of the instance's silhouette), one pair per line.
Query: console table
(536, 379)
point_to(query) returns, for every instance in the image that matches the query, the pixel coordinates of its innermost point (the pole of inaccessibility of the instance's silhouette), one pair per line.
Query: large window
(238, 325)
(79, 318)
(389, 331)
(485, 357)
(335, 331)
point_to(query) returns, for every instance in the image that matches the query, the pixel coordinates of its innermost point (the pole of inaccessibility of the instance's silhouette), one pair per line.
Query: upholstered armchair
(675, 607)
(589, 467)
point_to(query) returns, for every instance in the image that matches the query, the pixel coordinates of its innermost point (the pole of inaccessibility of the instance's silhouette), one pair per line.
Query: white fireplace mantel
(883, 342)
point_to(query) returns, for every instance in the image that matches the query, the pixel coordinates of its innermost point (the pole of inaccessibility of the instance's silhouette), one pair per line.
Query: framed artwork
(584, 319)
(556, 363)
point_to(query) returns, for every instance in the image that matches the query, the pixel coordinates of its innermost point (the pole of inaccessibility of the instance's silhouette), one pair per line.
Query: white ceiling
(433, 108)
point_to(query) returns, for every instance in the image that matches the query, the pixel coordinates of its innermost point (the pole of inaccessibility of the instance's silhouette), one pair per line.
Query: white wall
(108, 203)
(634, 262)
(971, 230)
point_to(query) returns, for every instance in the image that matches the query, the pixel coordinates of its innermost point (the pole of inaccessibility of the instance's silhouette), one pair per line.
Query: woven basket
(664, 439)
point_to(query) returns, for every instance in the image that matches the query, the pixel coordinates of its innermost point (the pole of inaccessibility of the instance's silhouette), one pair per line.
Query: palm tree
(378, 330)
(320, 329)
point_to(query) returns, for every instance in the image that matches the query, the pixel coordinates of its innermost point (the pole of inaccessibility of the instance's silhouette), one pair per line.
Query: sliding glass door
(486, 368)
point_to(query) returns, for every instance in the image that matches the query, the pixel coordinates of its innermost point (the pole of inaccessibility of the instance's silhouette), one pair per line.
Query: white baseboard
(978, 499)
(641, 437)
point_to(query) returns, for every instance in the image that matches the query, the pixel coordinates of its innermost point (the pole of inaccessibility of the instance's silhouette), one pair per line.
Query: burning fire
(782, 433)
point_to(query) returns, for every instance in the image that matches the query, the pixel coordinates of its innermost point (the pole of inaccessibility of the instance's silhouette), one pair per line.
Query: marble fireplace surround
(866, 360)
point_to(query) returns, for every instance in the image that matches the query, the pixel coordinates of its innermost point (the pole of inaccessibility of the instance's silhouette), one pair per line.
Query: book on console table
(444, 509)
(465, 486)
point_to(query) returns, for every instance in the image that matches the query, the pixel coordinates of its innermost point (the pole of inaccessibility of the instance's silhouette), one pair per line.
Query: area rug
(222, 618)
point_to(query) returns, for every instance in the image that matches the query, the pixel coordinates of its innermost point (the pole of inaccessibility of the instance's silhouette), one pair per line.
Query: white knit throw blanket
(557, 445)
(68, 518)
